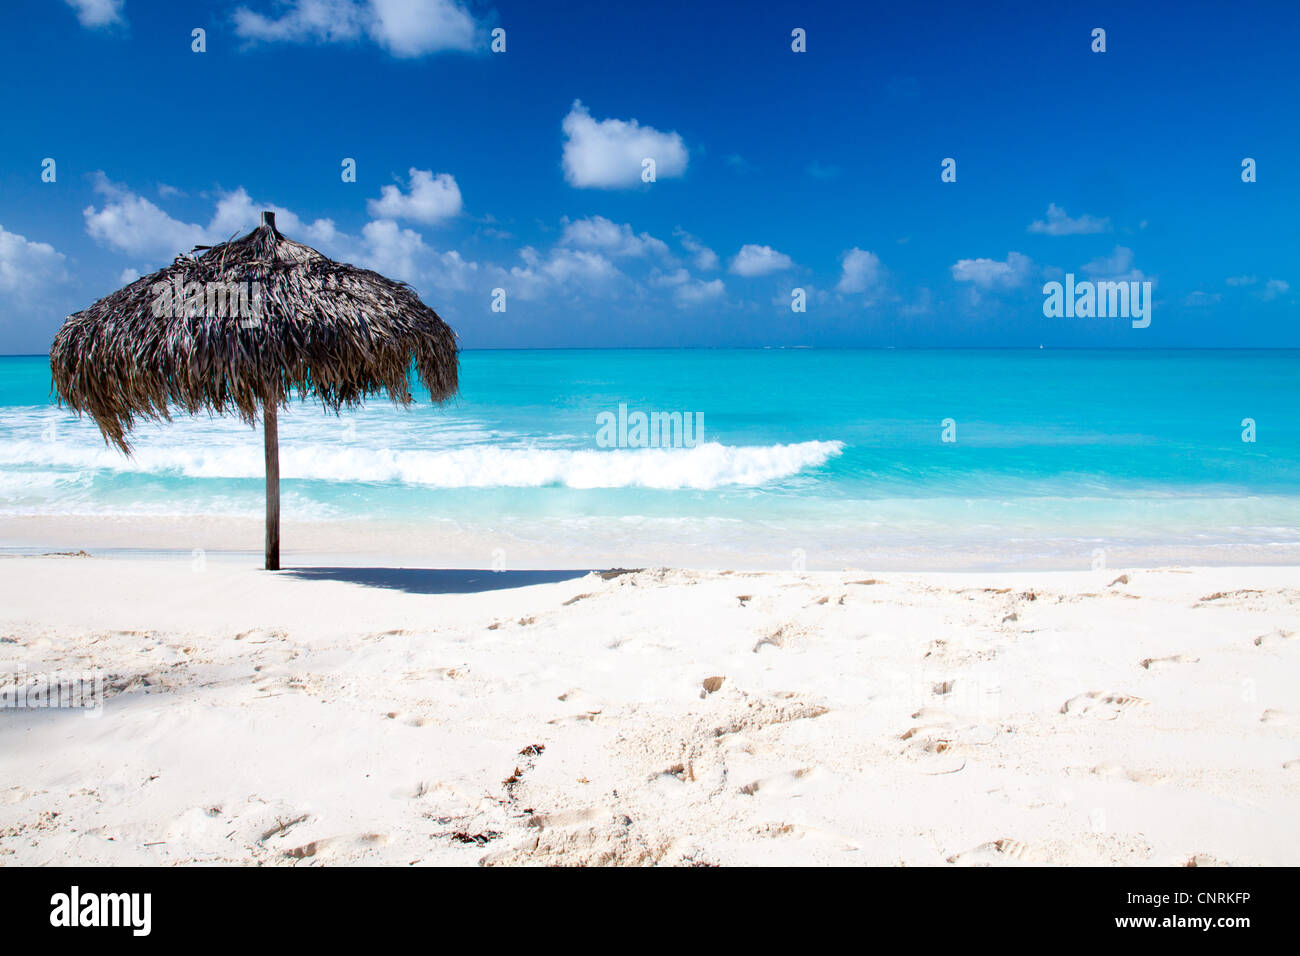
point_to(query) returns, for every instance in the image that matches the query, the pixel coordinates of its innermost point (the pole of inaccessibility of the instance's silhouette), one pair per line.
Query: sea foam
(709, 465)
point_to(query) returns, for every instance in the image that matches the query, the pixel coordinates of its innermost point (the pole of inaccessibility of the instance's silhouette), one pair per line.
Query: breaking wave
(709, 465)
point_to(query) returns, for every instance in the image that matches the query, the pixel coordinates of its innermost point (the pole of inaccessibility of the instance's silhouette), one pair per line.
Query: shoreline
(626, 543)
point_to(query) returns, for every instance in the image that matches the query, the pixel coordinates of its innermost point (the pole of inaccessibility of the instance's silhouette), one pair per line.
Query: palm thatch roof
(334, 332)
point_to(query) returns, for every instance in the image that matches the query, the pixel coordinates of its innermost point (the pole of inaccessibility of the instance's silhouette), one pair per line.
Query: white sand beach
(338, 714)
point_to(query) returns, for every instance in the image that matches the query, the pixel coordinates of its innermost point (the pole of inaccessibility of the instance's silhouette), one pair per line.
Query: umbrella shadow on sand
(435, 580)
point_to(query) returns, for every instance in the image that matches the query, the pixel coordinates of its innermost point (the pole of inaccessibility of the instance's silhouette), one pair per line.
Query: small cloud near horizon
(992, 273)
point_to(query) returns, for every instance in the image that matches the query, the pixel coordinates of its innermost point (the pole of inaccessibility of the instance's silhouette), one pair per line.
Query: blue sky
(776, 170)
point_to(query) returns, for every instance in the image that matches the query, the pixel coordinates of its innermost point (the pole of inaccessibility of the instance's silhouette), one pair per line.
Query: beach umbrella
(235, 330)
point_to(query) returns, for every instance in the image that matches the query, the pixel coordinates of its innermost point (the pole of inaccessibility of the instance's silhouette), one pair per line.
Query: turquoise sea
(835, 455)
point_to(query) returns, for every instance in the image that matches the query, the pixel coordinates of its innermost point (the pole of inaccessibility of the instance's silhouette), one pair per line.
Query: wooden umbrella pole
(272, 484)
(272, 433)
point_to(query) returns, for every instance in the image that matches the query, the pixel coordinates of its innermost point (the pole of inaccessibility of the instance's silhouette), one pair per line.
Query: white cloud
(702, 257)
(754, 260)
(593, 258)
(325, 21)
(237, 214)
(562, 270)
(400, 253)
(697, 292)
(992, 274)
(672, 279)
(128, 275)
(607, 154)
(1059, 224)
(1116, 267)
(431, 199)
(26, 267)
(596, 257)
(1271, 290)
(405, 28)
(1275, 287)
(862, 272)
(452, 271)
(97, 13)
(565, 265)
(597, 232)
(392, 250)
(410, 28)
(132, 224)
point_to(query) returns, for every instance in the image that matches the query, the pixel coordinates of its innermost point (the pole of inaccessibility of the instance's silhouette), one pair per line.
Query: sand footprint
(1275, 638)
(751, 713)
(262, 635)
(1123, 773)
(799, 831)
(325, 847)
(1159, 662)
(583, 706)
(938, 745)
(1107, 706)
(568, 818)
(438, 791)
(997, 853)
(793, 783)
(409, 720)
(787, 635)
(377, 636)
